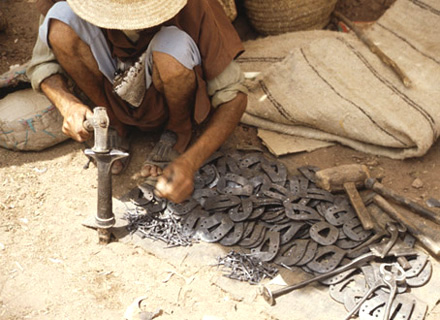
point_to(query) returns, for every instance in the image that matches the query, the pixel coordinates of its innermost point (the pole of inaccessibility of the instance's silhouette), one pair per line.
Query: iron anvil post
(104, 218)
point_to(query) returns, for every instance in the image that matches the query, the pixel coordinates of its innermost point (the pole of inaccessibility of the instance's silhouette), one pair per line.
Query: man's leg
(77, 60)
(172, 59)
(178, 85)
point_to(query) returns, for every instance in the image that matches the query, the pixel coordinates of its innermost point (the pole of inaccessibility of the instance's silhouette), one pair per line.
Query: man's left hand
(177, 180)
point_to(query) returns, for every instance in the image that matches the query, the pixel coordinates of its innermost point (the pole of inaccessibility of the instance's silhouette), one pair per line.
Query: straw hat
(126, 14)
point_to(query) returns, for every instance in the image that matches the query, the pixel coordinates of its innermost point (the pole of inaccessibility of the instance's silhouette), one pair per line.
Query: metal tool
(390, 275)
(105, 218)
(349, 178)
(427, 232)
(374, 185)
(376, 251)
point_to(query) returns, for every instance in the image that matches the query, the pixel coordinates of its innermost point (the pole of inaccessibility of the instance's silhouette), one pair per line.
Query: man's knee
(61, 36)
(168, 70)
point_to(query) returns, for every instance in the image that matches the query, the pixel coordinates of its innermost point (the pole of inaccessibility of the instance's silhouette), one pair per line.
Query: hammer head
(333, 179)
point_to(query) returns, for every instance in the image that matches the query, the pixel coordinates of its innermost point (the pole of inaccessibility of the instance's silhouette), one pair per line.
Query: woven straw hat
(126, 14)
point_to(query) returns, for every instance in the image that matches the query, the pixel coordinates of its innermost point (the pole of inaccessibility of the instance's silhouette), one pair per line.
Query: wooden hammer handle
(363, 214)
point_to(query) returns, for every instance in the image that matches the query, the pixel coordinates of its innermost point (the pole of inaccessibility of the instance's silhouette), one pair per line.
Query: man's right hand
(74, 116)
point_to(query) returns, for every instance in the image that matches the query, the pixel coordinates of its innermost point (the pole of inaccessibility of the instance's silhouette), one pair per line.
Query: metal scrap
(245, 267)
(167, 229)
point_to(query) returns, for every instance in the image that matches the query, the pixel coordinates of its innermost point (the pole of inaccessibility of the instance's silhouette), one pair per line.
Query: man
(154, 64)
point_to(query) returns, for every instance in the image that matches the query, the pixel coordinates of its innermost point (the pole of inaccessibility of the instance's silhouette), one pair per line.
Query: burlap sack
(28, 120)
(329, 86)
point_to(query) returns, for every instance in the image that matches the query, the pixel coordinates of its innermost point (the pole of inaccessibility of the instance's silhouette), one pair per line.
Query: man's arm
(46, 75)
(177, 181)
(71, 108)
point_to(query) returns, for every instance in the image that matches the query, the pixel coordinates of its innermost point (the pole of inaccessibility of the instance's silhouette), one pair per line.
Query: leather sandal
(162, 154)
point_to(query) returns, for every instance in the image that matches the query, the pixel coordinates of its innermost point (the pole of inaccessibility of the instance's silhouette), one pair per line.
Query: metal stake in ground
(104, 157)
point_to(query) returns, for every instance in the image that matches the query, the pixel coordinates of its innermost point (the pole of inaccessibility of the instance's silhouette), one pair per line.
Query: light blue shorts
(170, 40)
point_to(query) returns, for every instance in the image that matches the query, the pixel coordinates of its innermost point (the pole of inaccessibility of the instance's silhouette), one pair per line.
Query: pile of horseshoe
(251, 202)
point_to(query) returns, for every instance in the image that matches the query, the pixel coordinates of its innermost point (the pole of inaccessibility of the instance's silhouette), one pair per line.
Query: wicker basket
(280, 16)
(230, 8)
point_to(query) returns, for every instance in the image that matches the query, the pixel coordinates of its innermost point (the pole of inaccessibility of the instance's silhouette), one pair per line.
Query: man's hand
(177, 181)
(74, 116)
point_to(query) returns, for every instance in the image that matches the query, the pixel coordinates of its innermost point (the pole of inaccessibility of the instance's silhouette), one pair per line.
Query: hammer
(348, 177)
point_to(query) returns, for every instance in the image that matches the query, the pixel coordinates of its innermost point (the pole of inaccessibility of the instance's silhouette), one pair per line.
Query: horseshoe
(422, 278)
(350, 285)
(242, 212)
(417, 265)
(199, 182)
(256, 213)
(227, 162)
(405, 306)
(288, 230)
(292, 253)
(255, 238)
(272, 243)
(240, 185)
(300, 212)
(221, 202)
(234, 235)
(147, 191)
(214, 228)
(251, 161)
(190, 221)
(327, 259)
(347, 243)
(298, 185)
(210, 175)
(319, 194)
(201, 194)
(276, 191)
(156, 206)
(184, 208)
(309, 172)
(276, 171)
(136, 196)
(324, 233)
(271, 216)
(338, 215)
(354, 230)
(310, 253)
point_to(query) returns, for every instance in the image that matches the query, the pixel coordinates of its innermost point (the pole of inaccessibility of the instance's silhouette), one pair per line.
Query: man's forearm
(71, 108)
(223, 122)
(56, 90)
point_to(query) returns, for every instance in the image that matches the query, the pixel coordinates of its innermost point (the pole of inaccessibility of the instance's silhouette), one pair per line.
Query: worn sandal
(162, 154)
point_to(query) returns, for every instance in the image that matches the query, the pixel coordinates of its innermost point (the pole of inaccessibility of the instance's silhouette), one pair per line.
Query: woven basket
(230, 8)
(280, 16)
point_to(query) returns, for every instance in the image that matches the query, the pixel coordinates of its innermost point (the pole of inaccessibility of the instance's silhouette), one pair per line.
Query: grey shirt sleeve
(43, 63)
(226, 85)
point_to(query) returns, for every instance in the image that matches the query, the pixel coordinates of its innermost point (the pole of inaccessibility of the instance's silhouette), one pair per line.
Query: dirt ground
(51, 267)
